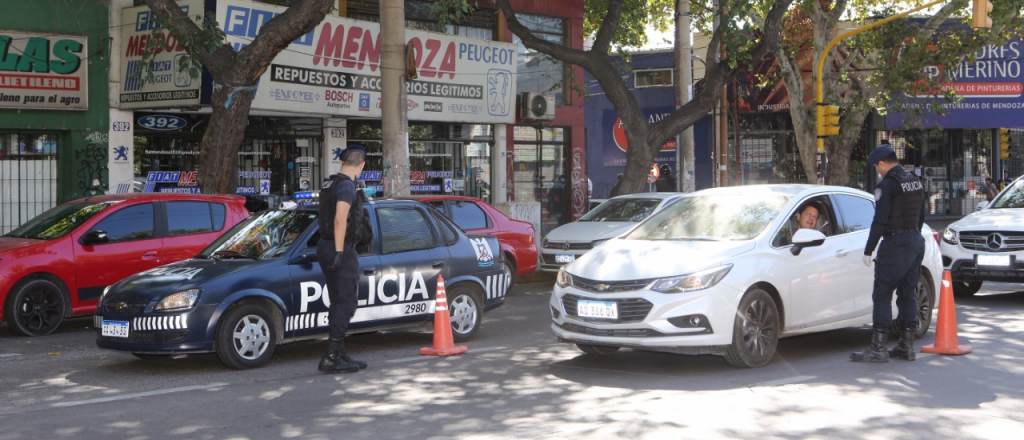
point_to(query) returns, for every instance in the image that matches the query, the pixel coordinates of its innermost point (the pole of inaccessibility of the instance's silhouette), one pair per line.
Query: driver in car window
(807, 217)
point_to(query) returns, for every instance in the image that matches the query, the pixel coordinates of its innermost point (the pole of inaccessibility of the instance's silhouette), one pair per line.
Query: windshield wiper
(233, 254)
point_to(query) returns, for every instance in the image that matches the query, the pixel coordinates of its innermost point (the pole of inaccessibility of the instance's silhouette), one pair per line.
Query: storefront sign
(43, 71)
(614, 135)
(162, 122)
(246, 190)
(158, 83)
(180, 189)
(335, 70)
(425, 188)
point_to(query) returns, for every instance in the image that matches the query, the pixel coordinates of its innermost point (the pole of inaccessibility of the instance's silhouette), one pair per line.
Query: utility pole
(394, 113)
(684, 81)
(723, 107)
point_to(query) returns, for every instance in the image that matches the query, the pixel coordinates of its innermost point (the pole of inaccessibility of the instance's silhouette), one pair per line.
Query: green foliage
(637, 15)
(450, 12)
(209, 40)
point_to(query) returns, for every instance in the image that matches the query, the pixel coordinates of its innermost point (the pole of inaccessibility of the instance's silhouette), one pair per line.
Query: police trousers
(897, 267)
(342, 292)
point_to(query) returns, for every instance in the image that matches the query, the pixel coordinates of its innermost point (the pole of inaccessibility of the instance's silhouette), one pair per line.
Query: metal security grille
(765, 157)
(28, 177)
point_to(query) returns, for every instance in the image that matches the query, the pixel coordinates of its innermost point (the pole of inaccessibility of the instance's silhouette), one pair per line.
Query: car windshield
(622, 210)
(1012, 197)
(58, 221)
(718, 217)
(262, 236)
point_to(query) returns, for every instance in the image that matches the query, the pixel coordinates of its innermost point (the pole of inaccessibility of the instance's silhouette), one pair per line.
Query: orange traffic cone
(946, 340)
(443, 345)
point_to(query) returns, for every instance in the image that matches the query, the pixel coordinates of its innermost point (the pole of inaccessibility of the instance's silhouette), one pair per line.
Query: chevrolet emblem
(601, 287)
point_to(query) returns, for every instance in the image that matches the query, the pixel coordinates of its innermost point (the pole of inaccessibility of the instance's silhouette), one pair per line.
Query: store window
(539, 173)
(538, 72)
(28, 177)
(653, 78)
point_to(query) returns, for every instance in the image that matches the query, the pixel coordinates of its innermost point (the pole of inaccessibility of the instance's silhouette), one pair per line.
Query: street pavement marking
(423, 358)
(145, 394)
(9, 355)
(785, 381)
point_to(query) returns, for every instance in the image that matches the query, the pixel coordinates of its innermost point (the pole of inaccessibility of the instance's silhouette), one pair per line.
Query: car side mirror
(806, 238)
(306, 256)
(93, 237)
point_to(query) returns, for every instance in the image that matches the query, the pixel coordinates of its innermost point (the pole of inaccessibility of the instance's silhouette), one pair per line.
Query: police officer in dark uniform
(899, 215)
(338, 257)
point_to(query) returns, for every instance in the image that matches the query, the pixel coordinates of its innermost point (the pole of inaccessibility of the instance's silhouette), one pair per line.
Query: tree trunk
(218, 156)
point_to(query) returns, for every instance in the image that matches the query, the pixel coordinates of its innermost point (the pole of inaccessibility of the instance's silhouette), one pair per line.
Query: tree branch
(558, 51)
(603, 39)
(278, 33)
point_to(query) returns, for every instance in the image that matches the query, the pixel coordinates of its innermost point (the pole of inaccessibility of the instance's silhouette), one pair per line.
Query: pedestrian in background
(338, 257)
(1006, 179)
(899, 216)
(665, 182)
(615, 187)
(990, 189)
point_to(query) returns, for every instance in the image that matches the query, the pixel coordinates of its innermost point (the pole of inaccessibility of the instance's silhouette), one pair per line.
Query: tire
(466, 311)
(755, 333)
(925, 304)
(966, 288)
(35, 307)
(246, 337)
(597, 349)
(510, 273)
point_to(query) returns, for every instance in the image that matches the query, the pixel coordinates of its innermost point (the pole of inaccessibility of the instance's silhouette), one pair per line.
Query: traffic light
(828, 120)
(1004, 143)
(979, 16)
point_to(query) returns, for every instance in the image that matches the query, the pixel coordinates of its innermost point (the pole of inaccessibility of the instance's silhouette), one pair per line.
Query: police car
(259, 285)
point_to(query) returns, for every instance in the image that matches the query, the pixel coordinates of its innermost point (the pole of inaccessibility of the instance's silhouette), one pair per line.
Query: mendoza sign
(156, 84)
(43, 71)
(335, 70)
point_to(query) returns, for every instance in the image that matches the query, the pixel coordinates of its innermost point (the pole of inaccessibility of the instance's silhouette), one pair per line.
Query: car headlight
(949, 236)
(178, 301)
(694, 281)
(563, 279)
(104, 294)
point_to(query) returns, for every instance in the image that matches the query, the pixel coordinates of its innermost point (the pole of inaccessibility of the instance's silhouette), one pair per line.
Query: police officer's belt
(901, 231)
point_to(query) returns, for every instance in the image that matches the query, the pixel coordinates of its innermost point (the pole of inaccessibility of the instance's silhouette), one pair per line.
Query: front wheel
(246, 337)
(755, 333)
(35, 307)
(597, 349)
(966, 288)
(466, 311)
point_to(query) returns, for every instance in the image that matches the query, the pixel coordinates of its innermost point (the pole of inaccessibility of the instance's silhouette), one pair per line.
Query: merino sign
(43, 71)
(335, 70)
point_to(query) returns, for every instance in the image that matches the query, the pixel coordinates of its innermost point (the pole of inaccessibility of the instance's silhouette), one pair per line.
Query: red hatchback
(475, 216)
(58, 264)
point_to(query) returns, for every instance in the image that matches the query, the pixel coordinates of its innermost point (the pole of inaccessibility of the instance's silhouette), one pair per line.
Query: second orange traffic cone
(443, 345)
(946, 339)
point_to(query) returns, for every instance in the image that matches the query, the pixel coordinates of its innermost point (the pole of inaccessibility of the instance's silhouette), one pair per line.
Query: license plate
(564, 258)
(597, 309)
(994, 260)
(116, 329)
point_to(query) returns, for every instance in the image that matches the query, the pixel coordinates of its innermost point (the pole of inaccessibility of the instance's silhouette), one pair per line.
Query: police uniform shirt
(897, 182)
(345, 191)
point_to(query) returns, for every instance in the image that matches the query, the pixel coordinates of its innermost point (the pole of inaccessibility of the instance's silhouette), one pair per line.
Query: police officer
(338, 258)
(899, 215)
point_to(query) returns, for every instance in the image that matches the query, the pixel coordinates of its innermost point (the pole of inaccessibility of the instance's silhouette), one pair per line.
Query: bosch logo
(995, 241)
(339, 96)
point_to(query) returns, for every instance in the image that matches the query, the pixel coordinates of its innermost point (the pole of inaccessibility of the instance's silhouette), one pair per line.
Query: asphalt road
(518, 382)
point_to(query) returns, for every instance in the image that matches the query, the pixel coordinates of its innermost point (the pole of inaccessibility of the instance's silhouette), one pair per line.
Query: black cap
(880, 153)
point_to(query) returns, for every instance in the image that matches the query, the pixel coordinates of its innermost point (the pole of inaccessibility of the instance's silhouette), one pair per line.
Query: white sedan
(721, 271)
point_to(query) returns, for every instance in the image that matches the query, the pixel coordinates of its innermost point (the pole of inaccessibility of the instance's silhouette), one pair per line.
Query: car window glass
(404, 229)
(1012, 197)
(59, 221)
(185, 218)
(468, 215)
(438, 205)
(718, 217)
(825, 222)
(219, 213)
(448, 230)
(622, 210)
(857, 212)
(131, 223)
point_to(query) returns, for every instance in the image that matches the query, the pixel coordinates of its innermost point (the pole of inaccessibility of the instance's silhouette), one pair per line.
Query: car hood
(589, 231)
(8, 244)
(180, 276)
(619, 260)
(999, 219)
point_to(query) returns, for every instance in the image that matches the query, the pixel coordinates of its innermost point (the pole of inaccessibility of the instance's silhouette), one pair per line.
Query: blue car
(259, 285)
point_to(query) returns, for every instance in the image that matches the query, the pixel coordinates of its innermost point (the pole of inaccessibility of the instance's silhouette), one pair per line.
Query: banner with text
(43, 71)
(156, 84)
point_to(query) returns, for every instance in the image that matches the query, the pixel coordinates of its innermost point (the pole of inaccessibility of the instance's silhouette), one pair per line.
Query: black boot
(334, 361)
(905, 348)
(876, 352)
(360, 364)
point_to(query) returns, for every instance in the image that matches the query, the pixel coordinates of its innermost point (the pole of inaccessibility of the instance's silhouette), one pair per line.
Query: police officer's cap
(353, 147)
(880, 153)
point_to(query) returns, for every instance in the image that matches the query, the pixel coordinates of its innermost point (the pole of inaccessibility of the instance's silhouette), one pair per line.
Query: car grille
(121, 305)
(622, 332)
(981, 240)
(609, 286)
(560, 246)
(630, 309)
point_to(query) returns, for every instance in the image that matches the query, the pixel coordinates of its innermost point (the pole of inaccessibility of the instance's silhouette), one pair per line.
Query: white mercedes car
(610, 219)
(987, 245)
(721, 271)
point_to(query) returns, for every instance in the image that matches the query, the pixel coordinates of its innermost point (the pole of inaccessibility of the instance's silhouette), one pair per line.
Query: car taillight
(531, 234)
(935, 235)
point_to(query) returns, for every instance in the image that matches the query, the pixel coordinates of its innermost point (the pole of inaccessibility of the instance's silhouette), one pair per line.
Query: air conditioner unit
(537, 106)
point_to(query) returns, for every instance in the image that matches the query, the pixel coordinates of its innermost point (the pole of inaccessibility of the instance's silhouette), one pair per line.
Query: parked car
(57, 264)
(721, 271)
(259, 285)
(517, 238)
(987, 245)
(608, 220)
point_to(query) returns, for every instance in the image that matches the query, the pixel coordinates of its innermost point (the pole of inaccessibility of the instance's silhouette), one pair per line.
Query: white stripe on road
(145, 394)
(10, 355)
(785, 381)
(423, 358)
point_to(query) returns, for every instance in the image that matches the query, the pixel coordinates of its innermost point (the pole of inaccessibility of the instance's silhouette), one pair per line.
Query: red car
(475, 216)
(58, 264)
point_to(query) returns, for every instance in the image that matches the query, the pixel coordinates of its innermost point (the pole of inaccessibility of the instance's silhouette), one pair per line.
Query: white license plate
(564, 258)
(116, 329)
(994, 260)
(597, 309)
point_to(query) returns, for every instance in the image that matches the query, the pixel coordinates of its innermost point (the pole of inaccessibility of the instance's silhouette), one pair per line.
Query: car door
(412, 255)
(133, 247)
(856, 214)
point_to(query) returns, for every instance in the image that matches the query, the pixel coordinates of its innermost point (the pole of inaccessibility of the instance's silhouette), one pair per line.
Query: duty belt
(901, 231)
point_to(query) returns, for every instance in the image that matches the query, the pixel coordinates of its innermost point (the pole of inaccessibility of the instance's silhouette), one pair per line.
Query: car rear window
(468, 215)
(184, 218)
(404, 229)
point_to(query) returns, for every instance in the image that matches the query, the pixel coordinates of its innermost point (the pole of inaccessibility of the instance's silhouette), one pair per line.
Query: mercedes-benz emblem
(994, 241)
(565, 245)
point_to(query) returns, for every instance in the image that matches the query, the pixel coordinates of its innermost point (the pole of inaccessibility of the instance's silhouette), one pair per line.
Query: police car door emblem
(484, 256)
